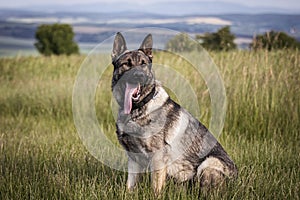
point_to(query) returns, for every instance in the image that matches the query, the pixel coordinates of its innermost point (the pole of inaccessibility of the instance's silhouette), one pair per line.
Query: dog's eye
(128, 61)
(143, 62)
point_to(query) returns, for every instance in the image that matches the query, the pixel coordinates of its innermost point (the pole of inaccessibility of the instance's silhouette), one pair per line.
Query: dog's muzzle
(139, 77)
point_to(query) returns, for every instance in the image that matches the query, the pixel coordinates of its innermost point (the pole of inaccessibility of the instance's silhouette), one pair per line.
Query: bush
(55, 39)
(181, 43)
(274, 40)
(222, 40)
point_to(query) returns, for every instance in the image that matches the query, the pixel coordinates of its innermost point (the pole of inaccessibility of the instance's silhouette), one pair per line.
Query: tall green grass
(42, 157)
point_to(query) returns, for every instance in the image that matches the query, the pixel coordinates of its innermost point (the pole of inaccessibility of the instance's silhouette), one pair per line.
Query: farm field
(42, 156)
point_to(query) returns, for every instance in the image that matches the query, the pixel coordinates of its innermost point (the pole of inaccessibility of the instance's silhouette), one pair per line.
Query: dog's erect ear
(119, 46)
(146, 46)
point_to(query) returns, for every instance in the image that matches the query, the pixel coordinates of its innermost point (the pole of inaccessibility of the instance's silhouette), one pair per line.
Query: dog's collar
(145, 100)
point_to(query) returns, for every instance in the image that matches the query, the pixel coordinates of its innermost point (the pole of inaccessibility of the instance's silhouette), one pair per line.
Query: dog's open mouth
(132, 93)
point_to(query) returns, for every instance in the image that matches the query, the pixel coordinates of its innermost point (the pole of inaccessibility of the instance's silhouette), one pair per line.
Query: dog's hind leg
(212, 172)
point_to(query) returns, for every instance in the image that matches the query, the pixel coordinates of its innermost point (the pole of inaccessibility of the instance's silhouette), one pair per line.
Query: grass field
(42, 156)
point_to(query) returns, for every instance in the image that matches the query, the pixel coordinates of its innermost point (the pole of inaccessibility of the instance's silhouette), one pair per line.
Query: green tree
(55, 39)
(222, 40)
(181, 43)
(274, 40)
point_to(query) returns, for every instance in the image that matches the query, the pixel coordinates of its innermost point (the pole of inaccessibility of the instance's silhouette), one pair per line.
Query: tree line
(58, 39)
(223, 40)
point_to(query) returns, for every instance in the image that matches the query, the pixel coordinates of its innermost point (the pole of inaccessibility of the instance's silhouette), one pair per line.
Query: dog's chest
(140, 136)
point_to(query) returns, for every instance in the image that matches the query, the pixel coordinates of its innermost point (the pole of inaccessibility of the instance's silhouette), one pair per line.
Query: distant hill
(17, 27)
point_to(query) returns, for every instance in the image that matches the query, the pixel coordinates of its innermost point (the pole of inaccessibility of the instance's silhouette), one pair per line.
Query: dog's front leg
(158, 180)
(159, 173)
(133, 173)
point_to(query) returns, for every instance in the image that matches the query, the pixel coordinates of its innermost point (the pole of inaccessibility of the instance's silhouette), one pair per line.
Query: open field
(42, 156)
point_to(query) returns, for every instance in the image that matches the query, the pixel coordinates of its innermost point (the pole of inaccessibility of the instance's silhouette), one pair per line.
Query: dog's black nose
(139, 76)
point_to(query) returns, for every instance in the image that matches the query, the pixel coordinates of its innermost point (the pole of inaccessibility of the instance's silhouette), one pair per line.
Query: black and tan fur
(158, 134)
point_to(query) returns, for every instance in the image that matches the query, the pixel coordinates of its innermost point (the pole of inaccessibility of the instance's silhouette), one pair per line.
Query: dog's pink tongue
(129, 91)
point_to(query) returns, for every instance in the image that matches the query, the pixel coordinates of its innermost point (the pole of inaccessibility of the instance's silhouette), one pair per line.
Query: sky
(273, 3)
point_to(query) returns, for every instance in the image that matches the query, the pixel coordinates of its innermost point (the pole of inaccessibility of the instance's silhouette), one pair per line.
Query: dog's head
(133, 78)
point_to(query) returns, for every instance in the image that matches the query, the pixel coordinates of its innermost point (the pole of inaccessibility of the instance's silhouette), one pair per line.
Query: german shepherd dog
(157, 134)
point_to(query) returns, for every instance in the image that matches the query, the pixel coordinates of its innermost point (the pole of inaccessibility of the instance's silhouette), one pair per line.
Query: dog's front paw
(130, 188)
(158, 181)
(132, 181)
